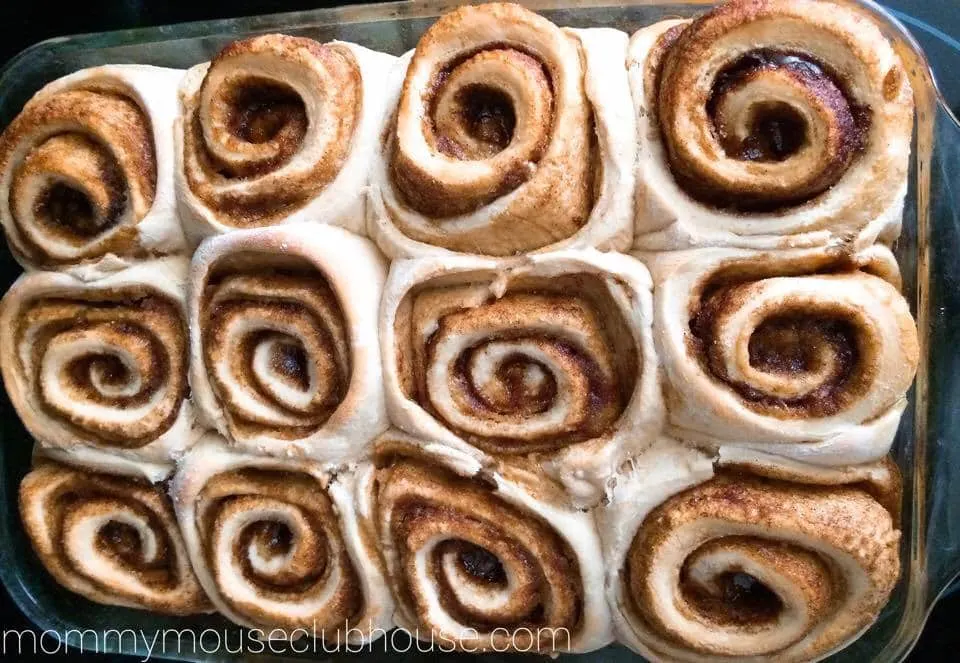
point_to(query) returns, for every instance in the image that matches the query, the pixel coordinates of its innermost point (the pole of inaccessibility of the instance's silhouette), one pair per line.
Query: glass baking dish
(927, 447)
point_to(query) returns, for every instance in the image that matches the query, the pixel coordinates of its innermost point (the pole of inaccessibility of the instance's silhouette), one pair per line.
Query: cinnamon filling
(482, 565)
(487, 116)
(290, 361)
(816, 346)
(513, 370)
(130, 326)
(121, 539)
(736, 598)
(760, 107)
(262, 109)
(70, 210)
(293, 361)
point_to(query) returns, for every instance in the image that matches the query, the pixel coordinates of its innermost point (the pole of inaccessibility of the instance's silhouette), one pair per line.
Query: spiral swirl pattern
(277, 352)
(806, 135)
(805, 350)
(739, 567)
(103, 364)
(112, 540)
(476, 568)
(284, 328)
(266, 127)
(494, 148)
(272, 543)
(78, 172)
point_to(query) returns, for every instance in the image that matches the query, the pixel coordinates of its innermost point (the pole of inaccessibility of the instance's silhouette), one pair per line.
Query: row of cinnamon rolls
(691, 558)
(298, 341)
(760, 125)
(684, 447)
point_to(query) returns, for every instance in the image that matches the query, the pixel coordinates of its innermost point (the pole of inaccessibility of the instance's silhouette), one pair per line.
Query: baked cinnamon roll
(768, 124)
(86, 170)
(281, 546)
(284, 339)
(484, 560)
(548, 357)
(509, 135)
(734, 567)
(278, 129)
(804, 354)
(100, 368)
(112, 540)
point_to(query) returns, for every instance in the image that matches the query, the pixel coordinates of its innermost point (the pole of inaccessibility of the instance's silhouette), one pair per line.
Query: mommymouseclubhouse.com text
(152, 644)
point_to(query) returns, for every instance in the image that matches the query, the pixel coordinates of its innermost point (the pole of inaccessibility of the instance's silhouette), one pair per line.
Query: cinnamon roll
(282, 547)
(278, 129)
(510, 135)
(549, 356)
(769, 124)
(484, 560)
(112, 540)
(804, 354)
(101, 367)
(284, 338)
(738, 567)
(86, 170)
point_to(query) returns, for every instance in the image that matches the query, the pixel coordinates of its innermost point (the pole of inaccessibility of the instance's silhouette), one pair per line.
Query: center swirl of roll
(270, 126)
(527, 372)
(274, 545)
(276, 349)
(784, 348)
(763, 127)
(111, 369)
(469, 560)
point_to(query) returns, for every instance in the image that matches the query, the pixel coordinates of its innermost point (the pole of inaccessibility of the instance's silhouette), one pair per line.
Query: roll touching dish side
(806, 354)
(482, 560)
(769, 124)
(98, 371)
(280, 546)
(725, 566)
(86, 171)
(112, 539)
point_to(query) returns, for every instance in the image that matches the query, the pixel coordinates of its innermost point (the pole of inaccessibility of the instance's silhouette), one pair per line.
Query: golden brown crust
(477, 549)
(760, 566)
(273, 545)
(498, 118)
(269, 127)
(113, 540)
(80, 172)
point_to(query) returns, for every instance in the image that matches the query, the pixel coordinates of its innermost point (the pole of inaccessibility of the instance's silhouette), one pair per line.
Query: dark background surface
(24, 22)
